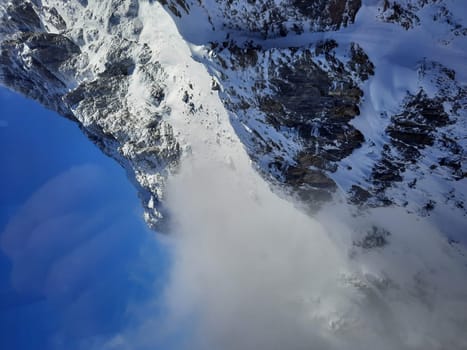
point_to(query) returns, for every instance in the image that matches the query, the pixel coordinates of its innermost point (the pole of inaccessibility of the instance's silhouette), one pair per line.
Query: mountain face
(364, 101)
(269, 18)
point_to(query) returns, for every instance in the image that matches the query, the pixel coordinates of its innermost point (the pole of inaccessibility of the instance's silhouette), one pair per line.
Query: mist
(256, 273)
(251, 271)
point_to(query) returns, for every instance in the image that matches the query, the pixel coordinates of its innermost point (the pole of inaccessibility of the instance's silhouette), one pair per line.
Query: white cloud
(252, 272)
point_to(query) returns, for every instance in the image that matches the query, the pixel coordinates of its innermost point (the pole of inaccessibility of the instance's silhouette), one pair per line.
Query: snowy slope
(208, 113)
(364, 147)
(319, 94)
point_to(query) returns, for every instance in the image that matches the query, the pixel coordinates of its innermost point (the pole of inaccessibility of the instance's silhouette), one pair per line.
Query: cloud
(251, 271)
(261, 274)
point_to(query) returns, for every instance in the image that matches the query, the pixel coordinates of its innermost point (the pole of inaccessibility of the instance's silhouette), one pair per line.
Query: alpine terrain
(352, 110)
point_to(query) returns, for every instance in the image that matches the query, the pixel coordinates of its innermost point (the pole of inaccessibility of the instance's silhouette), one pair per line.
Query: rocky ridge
(85, 73)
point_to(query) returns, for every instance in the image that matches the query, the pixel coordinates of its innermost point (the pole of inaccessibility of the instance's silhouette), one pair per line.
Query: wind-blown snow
(253, 272)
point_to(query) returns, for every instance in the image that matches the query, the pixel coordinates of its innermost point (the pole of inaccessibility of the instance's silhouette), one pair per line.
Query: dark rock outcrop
(310, 97)
(422, 143)
(55, 69)
(296, 107)
(271, 18)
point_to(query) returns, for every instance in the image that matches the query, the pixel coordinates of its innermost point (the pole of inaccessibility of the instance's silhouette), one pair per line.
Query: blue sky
(75, 253)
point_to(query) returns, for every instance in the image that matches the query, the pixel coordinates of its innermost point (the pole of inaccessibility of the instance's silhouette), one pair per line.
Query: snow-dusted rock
(365, 99)
(270, 18)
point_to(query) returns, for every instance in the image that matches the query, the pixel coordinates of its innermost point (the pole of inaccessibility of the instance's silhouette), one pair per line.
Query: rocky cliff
(269, 18)
(364, 101)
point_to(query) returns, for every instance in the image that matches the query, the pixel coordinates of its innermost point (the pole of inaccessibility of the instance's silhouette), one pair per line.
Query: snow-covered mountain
(355, 106)
(364, 101)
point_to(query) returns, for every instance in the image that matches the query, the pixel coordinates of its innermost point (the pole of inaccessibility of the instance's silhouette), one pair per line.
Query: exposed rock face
(422, 142)
(272, 18)
(299, 89)
(45, 58)
(409, 14)
(42, 55)
(297, 121)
